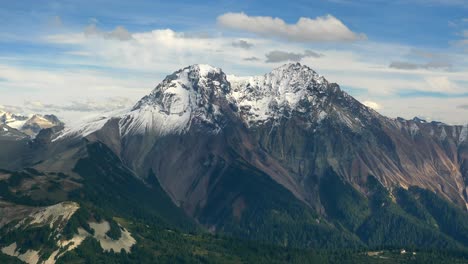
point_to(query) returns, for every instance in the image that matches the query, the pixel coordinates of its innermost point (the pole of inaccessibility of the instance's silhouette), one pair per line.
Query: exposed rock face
(291, 124)
(285, 158)
(191, 96)
(37, 122)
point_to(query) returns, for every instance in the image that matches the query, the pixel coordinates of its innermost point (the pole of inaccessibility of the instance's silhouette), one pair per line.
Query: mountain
(13, 120)
(286, 158)
(29, 125)
(292, 124)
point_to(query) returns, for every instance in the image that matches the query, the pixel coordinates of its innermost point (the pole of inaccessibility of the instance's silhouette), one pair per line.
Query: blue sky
(404, 58)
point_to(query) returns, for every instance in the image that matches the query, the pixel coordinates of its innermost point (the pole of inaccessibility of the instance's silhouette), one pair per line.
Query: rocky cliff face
(291, 124)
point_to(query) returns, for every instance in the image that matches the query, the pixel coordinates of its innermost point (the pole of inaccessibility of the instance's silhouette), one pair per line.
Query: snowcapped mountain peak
(291, 87)
(186, 86)
(292, 67)
(193, 94)
(30, 125)
(203, 96)
(297, 71)
(205, 69)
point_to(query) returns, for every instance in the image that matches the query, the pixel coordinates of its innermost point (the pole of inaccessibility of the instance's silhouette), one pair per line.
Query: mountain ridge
(291, 99)
(30, 125)
(286, 158)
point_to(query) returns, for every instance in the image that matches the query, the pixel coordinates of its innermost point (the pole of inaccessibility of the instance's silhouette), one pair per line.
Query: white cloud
(11, 109)
(152, 55)
(91, 31)
(372, 105)
(442, 84)
(68, 93)
(111, 103)
(437, 109)
(325, 28)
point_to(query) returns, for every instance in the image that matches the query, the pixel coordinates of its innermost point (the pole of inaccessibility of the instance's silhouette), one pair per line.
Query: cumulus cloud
(372, 105)
(403, 65)
(320, 29)
(280, 56)
(243, 44)
(119, 33)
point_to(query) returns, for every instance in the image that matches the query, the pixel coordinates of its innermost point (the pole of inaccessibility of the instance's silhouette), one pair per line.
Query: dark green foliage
(17, 177)
(450, 219)
(342, 202)
(53, 186)
(18, 198)
(9, 260)
(256, 219)
(391, 227)
(114, 231)
(4, 171)
(62, 175)
(410, 204)
(247, 203)
(80, 219)
(379, 195)
(30, 238)
(156, 245)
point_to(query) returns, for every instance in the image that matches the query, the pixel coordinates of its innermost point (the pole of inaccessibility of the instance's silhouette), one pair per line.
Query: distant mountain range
(286, 158)
(29, 125)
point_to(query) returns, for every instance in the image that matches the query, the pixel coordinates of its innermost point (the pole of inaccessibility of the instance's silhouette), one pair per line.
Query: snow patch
(414, 129)
(443, 134)
(268, 96)
(188, 94)
(88, 125)
(30, 256)
(463, 134)
(54, 215)
(322, 115)
(198, 94)
(125, 242)
(67, 245)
